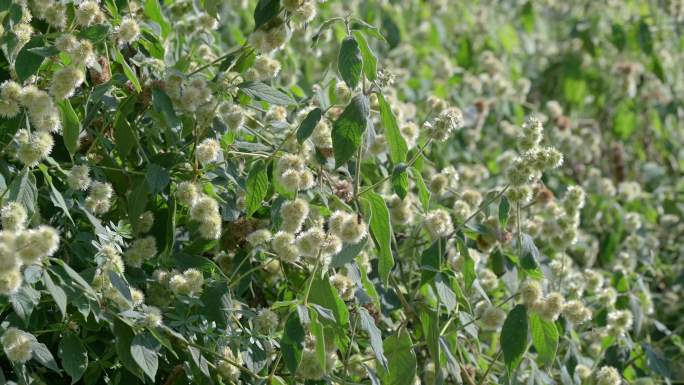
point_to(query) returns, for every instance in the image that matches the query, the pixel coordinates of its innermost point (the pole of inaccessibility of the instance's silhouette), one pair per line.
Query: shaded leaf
(262, 91)
(514, 337)
(381, 231)
(73, 355)
(257, 186)
(348, 129)
(307, 126)
(144, 349)
(349, 62)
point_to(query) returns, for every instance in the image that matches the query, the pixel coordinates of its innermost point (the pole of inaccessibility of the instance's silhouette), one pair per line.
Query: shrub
(356, 192)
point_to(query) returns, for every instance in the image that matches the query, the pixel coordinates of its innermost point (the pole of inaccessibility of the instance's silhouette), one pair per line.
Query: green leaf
(469, 274)
(423, 192)
(348, 253)
(401, 359)
(504, 210)
(124, 338)
(265, 11)
(348, 129)
(216, 299)
(391, 31)
(530, 257)
(74, 356)
(324, 294)
(75, 276)
(291, 342)
(55, 195)
(262, 91)
(120, 285)
(28, 62)
(45, 51)
(514, 337)
(430, 262)
(124, 135)
(163, 105)
(349, 62)
(368, 324)
(144, 349)
(137, 199)
(153, 11)
(624, 120)
(445, 294)
(395, 141)
(71, 127)
(645, 37)
(400, 182)
(544, 338)
(94, 33)
(319, 336)
(23, 190)
(656, 361)
(307, 126)
(24, 301)
(370, 61)
(157, 178)
(128, 71)
(381, 231)
(56, 292)
(527, 16)
(43, 355)
(257, 186)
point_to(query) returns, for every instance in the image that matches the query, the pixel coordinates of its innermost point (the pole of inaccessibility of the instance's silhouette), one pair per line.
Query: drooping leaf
(348, 253)
(94, 33)
(370, 61)
(400, 181)
(468, 265)
(28, 62)
(544, 338)
(514, 337)
(395, 141)
(423, 192)
(291, 342)
(348, 129)
(262, 91)
(368, 324)
(144, 348)
(128, 71)
(24, 301)
(153, 11)
(265, 11)
(124, 339)
(71, 127)
(23, 190)
(350, 62)
(42, 354)
(318, 333)
(381, 231)
(307, 126)
(56, 292)
(430, 262)
(257, 186)
(504, 210)
(401, 359)
(163, 105)
(74, 356)
(324, 294)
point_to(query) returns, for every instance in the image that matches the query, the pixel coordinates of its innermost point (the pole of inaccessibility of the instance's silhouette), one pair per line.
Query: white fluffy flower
(438, 223)
(17, 344)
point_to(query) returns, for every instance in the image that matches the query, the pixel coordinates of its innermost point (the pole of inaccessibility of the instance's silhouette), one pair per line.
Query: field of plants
(376, 192)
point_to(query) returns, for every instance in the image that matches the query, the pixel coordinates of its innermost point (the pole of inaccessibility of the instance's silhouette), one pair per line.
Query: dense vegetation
(345, 192)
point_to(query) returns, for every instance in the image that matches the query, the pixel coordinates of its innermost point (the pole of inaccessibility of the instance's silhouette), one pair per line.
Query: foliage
(353, 192)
